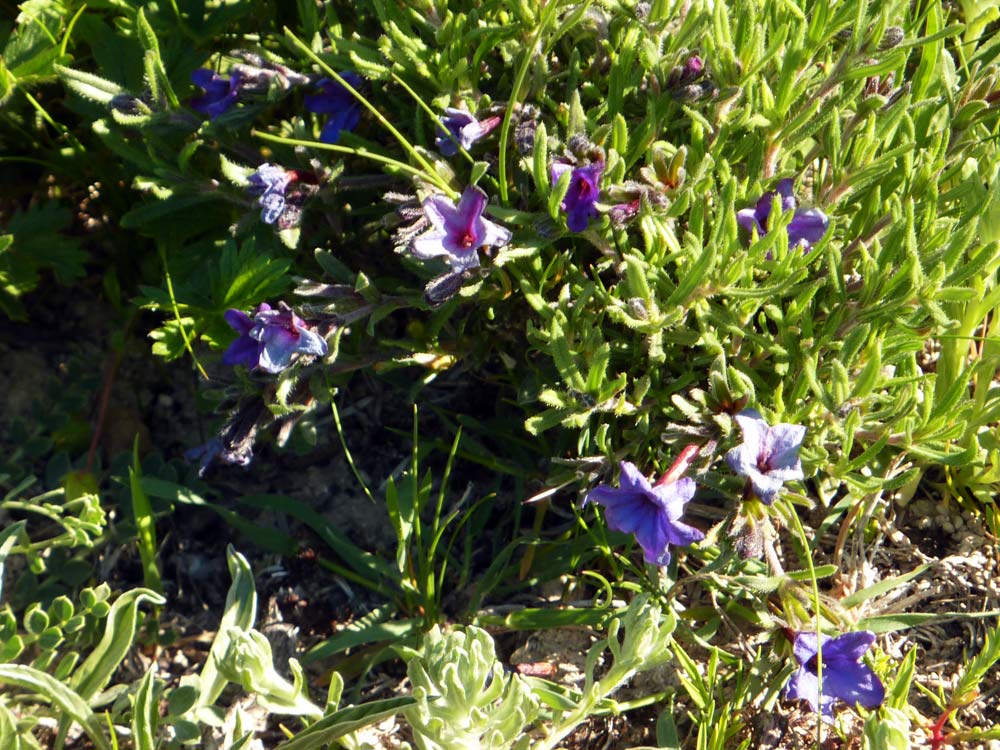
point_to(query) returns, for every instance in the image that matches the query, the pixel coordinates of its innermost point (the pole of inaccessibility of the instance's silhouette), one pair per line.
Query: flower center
(466, 239)
(813, 664)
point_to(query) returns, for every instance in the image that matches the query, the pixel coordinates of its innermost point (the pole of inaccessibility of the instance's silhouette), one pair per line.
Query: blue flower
(464, 128)
(845, 676)
(340, 104)
(768, 456)
(214, 450)
(283, 334)
(651, 513)
(583, 192)
(269, 182)
(806, 228)
(270, 339)
(220, 93)
(458, 230)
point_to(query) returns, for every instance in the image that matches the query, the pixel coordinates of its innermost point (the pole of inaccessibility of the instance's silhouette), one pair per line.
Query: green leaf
(880, 588)
(559, 191)
(880, 624)
(241, 613)
(89, 86)
(73, 706)
(345, 721)
(145, 714)
(145, 524)
(540, 161)
(119, 634)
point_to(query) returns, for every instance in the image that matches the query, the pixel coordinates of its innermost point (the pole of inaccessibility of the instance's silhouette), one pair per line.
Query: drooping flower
(458, 230)
(270, 339)
(335, 100)
(844, 677)
(582, 194)
(214, 450)
(768, 455)
(221, 93)
(464, 128)
(283, 334)
(806, 228)
(268, 183)
(651, 513)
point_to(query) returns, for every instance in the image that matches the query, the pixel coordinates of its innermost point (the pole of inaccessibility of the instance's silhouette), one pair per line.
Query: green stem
(362, 152)
(797, 523)
(431, 172)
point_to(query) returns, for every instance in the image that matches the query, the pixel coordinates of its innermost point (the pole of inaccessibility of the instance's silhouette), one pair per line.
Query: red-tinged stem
(938, 737)
(679, 466)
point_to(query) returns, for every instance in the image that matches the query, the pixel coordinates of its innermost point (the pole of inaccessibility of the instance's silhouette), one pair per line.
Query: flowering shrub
(581, 235)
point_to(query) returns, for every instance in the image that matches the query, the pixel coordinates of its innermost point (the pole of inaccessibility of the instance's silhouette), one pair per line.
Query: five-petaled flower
(806, 228)
(651, 513)
(463, 127)
(340, 104)
(583, 192)
(269, 183)
(844, 675)
(221, 93)
(270, 339)
(768, 455)
(458, 230)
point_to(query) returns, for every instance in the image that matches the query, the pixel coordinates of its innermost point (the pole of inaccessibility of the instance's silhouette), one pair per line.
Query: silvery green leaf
(89, 86)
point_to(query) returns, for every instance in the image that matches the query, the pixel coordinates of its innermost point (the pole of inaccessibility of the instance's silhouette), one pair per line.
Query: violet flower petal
(807, 227)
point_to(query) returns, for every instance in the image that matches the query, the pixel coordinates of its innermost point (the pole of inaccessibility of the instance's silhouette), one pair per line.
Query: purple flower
(220, 93)
(270, 339)
(651, 513)
(337, 102)
(458, 230)
(282, 334)
(269, 183)
(806, 228)
(844, 675)
(768, 456)
(582, 194)
(464, 128)
(245, 350)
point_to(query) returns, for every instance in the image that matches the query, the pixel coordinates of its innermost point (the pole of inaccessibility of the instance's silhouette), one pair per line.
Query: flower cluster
(271, 339)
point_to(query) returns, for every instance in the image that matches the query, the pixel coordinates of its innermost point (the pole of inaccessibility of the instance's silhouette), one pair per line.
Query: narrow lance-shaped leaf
(240, 612)
(119, 634)
(71, 703)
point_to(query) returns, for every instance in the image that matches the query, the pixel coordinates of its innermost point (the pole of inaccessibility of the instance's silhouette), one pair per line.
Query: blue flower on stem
(806, 228)
(768, 455)
(651, 513)
(582, 194)
(220, 93)
(341, 105)
(845, 676)
(458, 230)
(271, 339)
(269, 182)
(464, 128)
(214, 450)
